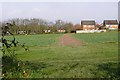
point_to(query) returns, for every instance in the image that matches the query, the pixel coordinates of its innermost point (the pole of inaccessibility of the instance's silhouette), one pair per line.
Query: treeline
(37, 26)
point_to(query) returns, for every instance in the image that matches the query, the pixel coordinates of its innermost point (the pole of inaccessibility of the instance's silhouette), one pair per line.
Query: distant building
(21, 32)
(61, 30)
(75, 28)
(88, 25)
(110, 24)
(47, 31)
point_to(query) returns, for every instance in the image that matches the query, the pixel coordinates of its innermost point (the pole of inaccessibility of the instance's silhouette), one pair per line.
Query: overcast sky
(119, 11)
(67, 11)
(0, 12)
(59, 0)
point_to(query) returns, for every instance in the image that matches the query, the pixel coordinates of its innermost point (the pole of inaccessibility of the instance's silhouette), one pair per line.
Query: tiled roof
(89, 22)
(110, 22)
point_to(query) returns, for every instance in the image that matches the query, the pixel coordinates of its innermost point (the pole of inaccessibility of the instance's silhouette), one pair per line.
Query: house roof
(88, 22)
(110, 22)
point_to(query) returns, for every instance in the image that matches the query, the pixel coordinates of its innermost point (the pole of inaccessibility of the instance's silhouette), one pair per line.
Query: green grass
(96, 58)
(111, 36)
(36, 40)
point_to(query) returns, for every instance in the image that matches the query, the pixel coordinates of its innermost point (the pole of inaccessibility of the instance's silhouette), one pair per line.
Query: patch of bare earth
(67, 40)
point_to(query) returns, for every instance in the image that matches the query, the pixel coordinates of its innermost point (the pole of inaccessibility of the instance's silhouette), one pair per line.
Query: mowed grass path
(96, 58)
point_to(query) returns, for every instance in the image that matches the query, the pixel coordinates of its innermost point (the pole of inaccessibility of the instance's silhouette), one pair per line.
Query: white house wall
(90, 31)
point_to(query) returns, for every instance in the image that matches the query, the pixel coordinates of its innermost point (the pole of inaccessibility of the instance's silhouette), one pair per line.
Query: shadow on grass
(13, 68)
(110, 70)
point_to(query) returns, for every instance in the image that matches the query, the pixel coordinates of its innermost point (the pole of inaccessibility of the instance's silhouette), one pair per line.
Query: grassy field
(96, 57)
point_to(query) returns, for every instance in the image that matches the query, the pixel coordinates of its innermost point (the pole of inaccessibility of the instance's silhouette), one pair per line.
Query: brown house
(110, 24)
(88, 25)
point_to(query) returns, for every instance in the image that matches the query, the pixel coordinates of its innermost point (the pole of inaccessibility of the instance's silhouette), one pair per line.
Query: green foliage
(37, 26)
